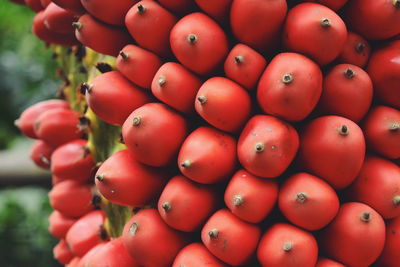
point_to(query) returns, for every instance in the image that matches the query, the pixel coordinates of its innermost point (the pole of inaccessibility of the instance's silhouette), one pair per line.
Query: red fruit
(58, 126)
(249, 23)
(75, 262)
(382, 131)
(58, 19)
(286, 245)
(332, 4)
(154, 133)
(199, 43)
(72, 5)
(290, 87)
(59, 224)
(374, 19)
(150, 24)
(332, 148)
(384, 70)
(324, 262)
(223, 104)
(244, 66)
(217, 9)
(35, 5)
(316, 31)
(55, 180)
(207, 156)
(230, 239)
(150, 241)
(185, 205)
(356, 50)
(267, 145)
(390, 254)
(40, 154)
(62, 253)
(91, 253)
(87, 232)
(73, 161)
(359, 232)
(124, 181)
(112, 97)
(45, 3)
(178, 6)
(71, 198)
(347, 92)
(28, 117)
(308, 202)
(195, 255)
(138, 65)
(109, 11)
(177, 87)
(249, 197)
(101, 37)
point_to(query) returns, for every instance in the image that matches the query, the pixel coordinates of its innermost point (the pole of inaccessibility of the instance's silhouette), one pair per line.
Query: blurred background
(27, 76)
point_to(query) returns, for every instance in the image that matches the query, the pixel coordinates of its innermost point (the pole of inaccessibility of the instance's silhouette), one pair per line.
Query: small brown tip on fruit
(134, 228)
(141, 9)
(166, 206)
(326, 23)
(301, 197)
(124, 55)
(239, 59)
(344, 130)
(287, 246)
(186, 164)
(349, 73)
(77, 25)
(359, 47)
(100, 177)
(202, 99)
(365, 216)
(259, 147)
(103, 233)
(396, 3)
(45, 160)
(103, 67)
(17, 123)
(84, 124)
(213, 233)
(86, 87)
(162, 80)
(287, 78)
(394, 127)
(96, 200)
(136, 121)
(192, 38)
(237, 200)
(396, 200)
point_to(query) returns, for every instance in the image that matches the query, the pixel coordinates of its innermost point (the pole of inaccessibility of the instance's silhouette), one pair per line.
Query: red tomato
(178, 6)
(356, 50)
(72, 5)
(286, 245)
(332, 4)
(290, 87)
(217, 9)
(325, 262)
(390, 253)
(62, 253)
(195, 255)
(59, 224)
(40, 154)
(58, 19)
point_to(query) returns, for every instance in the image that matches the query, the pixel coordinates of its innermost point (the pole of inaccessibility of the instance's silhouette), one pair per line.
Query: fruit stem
(103, 67)
(365, 216)
(136, 121)
(349, 73)
(100, 177)
(166, 206)
(77, 25)
(287, 246)
(396, 200)
(124, 55)
(238, 200)
(344, 130)
(259, 147)
(287, 78)
(213, 233)
(134, 228)
(360, 47)
(186, 164)
(325, 22)
(87, 87)
(162, 80)
(239, 59)
(394, 127)
(141, 9)
(202, 99)
(301, 197)
(192, 38)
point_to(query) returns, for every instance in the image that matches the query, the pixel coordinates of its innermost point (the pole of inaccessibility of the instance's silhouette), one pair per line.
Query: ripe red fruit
(91, 253)
(308, 202)
(154, 133)
(199, 43)
(195, 255)
(75, 262)
(185, 205)
(177, 87)
(316, 31)
(58, 19)
(290, 87)
(355, 237)
(332, 148)
(178, 6)
(35, 5)
(249, 197)
(124, 181)
(332, 4)
(150, 241)
(112, 97)
(325, 262)
(347, 92)
(59, 224)
(150, 25)
(223, 104)
(356, 50)
(72, 5)
(286, 245)
(267, 145)
(217, 9)
(62, 253)
(230, 239)
(207, 156)
(138, 65)
(390, 254)
(40, 154)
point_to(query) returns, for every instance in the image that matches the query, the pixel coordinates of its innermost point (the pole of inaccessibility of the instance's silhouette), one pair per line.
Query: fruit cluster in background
(222, 133)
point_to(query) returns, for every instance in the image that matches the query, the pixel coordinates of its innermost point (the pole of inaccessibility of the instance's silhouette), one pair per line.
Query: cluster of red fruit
(278, 122)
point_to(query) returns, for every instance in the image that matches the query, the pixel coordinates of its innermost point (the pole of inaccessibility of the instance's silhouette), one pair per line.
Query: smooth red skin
(178, 6)
(281, 143)
(249, 23)
(352, 241)
(293, 101)
(329, 155)
(157, 139)
(45, 3)
(91, 253)
(180, 88)
(140, 67)
(109, 11)
(320, 207)
(127, 182)
(35, 5)
(270, 249)
(113, 97)
(71, 198)
(325, 262)
(59, 224)
(378, 135)
(228, 105)
(217, 9)
(237, 240)
(384, 70)
(211, 48)
(346, 97)
(390, 254)
(303, 33)
(376, 185)
(40, 154)
(373, 19)
(152, 28)
(259, 195)
(29, 115)
(58, 19)
(62, 253)
(55, 180)
(85, 233)
(58, 126)
(154, 244)
(351, 55)
(195, 255)
(212, 154)
(75, 262)
(332, 4)
(71, 161)
(248, 72)
(191, 204)
(72, 5)
(102, 38)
